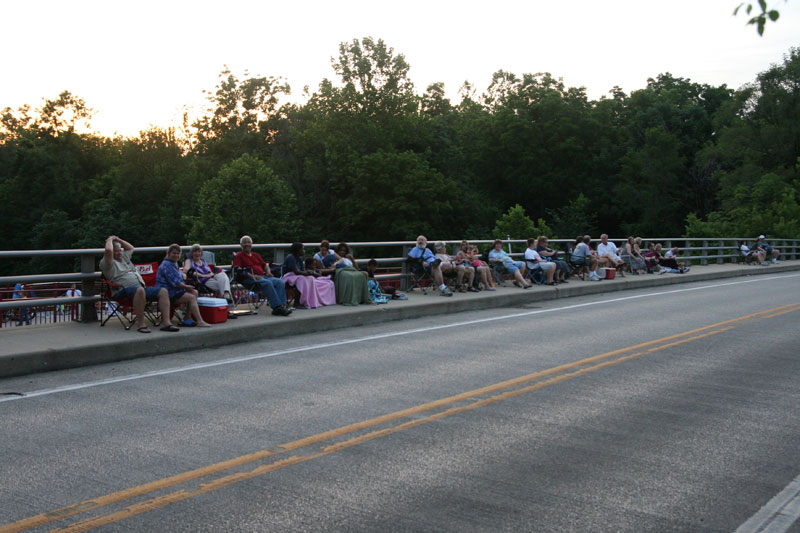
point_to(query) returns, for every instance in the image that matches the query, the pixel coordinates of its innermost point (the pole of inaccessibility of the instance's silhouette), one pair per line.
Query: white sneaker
(774, 261)
(594, 277)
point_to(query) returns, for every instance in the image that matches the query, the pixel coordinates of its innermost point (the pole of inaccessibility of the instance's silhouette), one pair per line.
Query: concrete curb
(75, 345)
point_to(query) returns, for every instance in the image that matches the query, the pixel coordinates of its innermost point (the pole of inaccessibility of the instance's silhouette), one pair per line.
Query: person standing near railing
(20, 293)
(72, 292)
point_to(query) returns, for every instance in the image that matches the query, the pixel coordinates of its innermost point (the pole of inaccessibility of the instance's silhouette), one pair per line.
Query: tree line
(367, 157)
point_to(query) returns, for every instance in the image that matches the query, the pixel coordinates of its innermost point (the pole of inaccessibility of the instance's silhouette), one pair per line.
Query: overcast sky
(138, 63)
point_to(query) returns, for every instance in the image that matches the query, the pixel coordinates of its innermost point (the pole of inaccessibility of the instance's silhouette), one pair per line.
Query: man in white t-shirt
(608, 250)
(672, 253)
(71, 292)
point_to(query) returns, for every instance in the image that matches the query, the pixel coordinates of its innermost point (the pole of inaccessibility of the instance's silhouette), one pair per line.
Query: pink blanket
(314, 292)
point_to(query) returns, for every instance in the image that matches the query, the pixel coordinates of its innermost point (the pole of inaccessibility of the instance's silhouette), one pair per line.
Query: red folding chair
(122, 308)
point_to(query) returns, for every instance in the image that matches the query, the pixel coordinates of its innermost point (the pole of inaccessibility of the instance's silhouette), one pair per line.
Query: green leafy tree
(398, 196)
(759, 20)
(372, 111)
(649, 197)
(517, 225)
(246, 197)
(46, 166)
(242, 117)
(771, 207)
(578, 217)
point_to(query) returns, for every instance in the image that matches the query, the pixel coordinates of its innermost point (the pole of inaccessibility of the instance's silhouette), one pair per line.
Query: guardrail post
(404, 269)
(704, 260)
(88, 311)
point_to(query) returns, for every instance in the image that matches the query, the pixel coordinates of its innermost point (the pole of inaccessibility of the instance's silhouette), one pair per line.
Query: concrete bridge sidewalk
(27, 350)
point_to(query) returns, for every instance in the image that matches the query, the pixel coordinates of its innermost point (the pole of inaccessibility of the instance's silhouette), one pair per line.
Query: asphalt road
(669, 409)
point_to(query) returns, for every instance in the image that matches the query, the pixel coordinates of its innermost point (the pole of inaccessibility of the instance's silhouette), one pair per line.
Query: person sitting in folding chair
(118, 269)
(455, 265)
(427, 261)
(258, 275)
(516, 268)
(535, 262)
(169, 277)
(208, 277)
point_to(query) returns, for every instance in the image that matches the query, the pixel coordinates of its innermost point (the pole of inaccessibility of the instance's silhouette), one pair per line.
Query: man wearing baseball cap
(768, 250)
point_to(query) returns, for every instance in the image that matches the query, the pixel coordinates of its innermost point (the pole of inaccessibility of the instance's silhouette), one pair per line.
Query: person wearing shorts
(118, 269)
(515, 268)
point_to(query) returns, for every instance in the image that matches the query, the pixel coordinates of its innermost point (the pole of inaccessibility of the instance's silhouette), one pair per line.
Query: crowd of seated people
(332, 276)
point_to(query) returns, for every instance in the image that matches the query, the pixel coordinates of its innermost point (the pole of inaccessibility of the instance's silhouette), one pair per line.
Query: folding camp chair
(244, 289)
(122, 307)
(418, 274)
(536, 275)
(575, 270)
(499, 271)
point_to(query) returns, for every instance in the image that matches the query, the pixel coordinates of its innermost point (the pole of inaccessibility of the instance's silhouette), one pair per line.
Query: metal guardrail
(696, 250)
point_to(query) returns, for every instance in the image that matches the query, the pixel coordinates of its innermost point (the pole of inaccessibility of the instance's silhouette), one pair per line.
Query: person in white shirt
(534, 262)
(608, 250)
(747, 253)
(72, 291)
(671, 259)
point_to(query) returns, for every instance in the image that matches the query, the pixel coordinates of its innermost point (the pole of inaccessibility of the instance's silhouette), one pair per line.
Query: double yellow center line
(321, 444)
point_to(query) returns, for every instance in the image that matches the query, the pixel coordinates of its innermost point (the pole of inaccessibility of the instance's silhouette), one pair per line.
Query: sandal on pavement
(170, 328)
(143, 329)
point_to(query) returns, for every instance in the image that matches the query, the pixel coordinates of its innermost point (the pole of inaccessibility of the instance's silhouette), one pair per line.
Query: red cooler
(611, 273)
(213, 310)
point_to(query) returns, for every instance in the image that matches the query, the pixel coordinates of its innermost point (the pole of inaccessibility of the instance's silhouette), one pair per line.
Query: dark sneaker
(281, 311)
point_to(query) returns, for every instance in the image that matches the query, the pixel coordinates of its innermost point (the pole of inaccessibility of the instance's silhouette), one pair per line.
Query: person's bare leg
(470, 275)
(163, 306)
(549, 273)
(437, 276)
(487, 282)
(459, 275)
(138, 307)
(194, 309)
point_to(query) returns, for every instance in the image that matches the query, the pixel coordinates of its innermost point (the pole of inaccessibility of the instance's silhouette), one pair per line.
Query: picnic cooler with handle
(213, 310)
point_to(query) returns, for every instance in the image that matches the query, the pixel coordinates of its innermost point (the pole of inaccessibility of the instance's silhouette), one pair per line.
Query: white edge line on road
(778, 514)
(211, 364)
